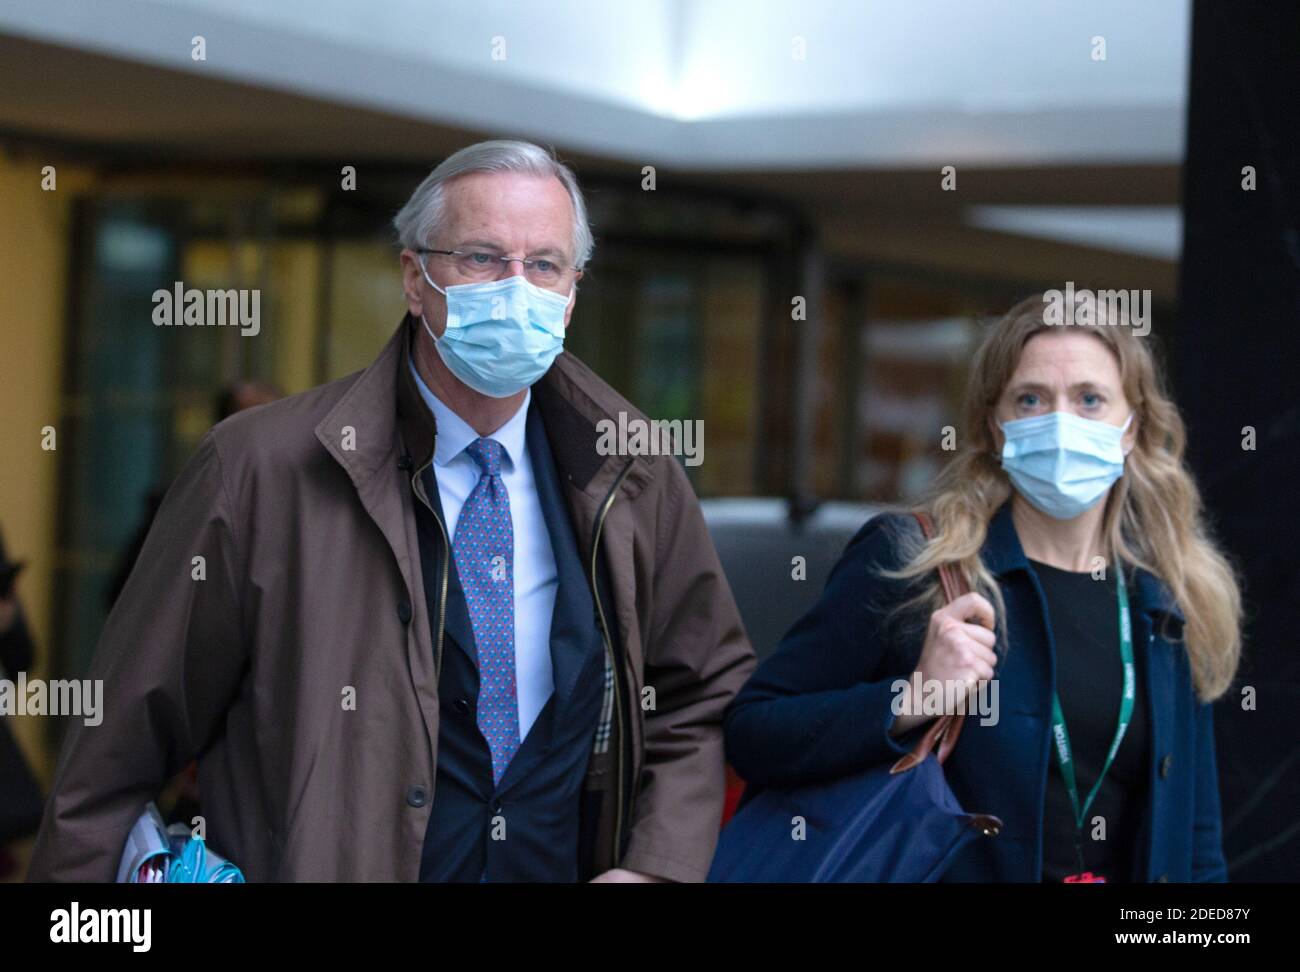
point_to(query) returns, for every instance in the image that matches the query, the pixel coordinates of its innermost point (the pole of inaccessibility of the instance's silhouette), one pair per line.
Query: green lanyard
(1064, 755)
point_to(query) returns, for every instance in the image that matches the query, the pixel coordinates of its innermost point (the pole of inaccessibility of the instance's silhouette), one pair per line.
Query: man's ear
(411, 282)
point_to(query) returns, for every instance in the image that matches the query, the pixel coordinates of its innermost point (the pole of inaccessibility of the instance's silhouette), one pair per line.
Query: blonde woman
(1070, 512)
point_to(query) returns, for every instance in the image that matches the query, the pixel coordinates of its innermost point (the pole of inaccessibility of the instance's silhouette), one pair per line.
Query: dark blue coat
(819, 707)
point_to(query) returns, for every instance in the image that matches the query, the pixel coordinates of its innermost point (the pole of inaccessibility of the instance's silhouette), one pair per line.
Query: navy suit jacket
(819, 707)
(541, 793)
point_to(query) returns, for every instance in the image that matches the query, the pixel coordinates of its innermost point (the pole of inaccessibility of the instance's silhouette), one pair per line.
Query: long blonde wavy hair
(1153, 517)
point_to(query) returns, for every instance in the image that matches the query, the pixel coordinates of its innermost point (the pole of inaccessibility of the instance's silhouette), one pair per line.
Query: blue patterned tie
(484, 549)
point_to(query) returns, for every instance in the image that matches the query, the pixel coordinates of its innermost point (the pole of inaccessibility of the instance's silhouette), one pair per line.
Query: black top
(1084, 616)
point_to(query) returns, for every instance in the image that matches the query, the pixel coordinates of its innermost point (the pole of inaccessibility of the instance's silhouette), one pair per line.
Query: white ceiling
(712, 84)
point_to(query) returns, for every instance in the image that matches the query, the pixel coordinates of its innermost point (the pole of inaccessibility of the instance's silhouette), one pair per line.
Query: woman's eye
(1028, 400)
(1090, 400)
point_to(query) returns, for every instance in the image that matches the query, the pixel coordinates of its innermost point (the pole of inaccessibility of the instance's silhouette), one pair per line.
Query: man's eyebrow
(498, 248)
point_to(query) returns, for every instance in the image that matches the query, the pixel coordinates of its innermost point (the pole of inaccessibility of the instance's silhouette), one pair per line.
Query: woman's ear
(1130, 434)
(995, 430)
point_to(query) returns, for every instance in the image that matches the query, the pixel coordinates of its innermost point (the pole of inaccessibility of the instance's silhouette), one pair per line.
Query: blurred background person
(233, 398)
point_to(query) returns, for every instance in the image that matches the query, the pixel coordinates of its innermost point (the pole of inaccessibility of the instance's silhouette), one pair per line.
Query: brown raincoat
(310, 588)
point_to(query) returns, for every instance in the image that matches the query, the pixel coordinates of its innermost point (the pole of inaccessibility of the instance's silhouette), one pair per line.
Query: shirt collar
(454, 433)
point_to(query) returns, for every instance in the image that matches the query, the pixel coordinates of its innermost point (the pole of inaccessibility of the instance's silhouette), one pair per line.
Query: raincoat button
(404, 461)
(417, 796)
(404, 612)
(462, 706)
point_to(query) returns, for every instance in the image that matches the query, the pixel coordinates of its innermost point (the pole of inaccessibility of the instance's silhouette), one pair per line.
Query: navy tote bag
(888, 823)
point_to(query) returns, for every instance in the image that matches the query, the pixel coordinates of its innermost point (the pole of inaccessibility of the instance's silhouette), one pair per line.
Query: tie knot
(487, 453)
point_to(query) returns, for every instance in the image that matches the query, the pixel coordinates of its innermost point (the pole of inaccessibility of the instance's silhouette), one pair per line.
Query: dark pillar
(1237, 366)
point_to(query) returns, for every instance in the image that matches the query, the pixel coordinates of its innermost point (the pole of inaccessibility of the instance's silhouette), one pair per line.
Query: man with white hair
(416, 624)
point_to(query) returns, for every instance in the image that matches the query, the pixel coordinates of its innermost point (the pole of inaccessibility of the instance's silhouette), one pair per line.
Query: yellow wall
(34, 250)
(366, 304)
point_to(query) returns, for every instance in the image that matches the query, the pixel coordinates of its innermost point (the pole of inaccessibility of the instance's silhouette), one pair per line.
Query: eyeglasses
(486, 265)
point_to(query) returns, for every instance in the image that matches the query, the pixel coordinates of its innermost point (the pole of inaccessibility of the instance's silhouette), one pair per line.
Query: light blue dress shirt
(535, 574)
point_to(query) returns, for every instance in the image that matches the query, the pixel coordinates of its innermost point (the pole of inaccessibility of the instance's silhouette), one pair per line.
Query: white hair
(418, 221)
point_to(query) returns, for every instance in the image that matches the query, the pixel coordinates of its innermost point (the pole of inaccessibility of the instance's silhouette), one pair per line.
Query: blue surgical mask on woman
(502, 335)
(1061, 463)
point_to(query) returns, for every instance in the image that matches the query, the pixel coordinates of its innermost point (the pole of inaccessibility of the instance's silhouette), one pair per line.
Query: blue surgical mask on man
(501, 335)
(1061, 463)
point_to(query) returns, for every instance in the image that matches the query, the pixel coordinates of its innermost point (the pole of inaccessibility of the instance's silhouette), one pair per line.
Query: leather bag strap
(943, 732)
